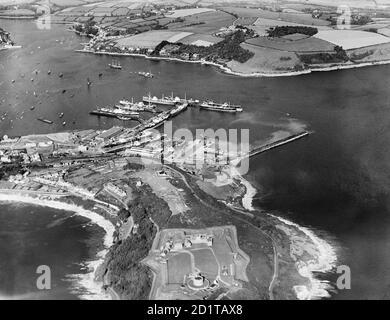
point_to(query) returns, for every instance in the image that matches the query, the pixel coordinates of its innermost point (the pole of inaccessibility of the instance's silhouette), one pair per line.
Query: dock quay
(117, 113)
(275, 144)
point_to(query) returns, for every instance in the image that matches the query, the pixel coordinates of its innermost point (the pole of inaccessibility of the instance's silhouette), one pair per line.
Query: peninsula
(174, 229)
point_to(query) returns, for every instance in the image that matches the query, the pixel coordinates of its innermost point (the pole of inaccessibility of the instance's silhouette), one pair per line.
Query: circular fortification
(198, 283)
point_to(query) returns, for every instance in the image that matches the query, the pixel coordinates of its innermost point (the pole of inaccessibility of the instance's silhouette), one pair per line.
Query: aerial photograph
(199, 150)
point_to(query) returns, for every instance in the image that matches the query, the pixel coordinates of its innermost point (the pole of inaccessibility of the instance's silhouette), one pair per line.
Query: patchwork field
(200, 39)
(286, 17)
(376, 53)
(262, 25)
(205, 23)
(151, 39)
(309, 44)
(188, 12)
(351, 39)
(178, 267)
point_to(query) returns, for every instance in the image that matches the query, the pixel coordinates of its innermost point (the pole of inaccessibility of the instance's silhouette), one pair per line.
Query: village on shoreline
(256, 42)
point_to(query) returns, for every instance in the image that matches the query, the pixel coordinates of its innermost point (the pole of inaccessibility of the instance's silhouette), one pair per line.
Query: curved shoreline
(330, 67)
(84, 281)
(326, 257)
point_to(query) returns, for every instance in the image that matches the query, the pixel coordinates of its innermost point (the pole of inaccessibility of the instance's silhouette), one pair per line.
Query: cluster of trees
(133, 166)
(8, 170)
(281, 31)
(5, 37)
(129, 277)
(228, 49)
(88, 27)
(339, 55)
(360, 20)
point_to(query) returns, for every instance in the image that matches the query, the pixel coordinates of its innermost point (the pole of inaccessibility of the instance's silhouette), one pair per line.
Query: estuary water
(336, 181)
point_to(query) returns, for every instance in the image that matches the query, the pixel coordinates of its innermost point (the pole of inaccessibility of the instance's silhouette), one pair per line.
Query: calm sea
(336, 181)
(32, 236)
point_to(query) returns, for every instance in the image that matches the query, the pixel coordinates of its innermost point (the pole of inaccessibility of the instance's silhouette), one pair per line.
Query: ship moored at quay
(205, 105)
(117, 113)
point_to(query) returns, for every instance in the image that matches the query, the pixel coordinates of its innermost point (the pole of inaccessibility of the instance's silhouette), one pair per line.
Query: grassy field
(18, 12)
(202, 37)
(310, 44)
(352, 39)
(262, 25)
(286, 17)
(369, 54)
(223, 251)
(178, 267)
(67, 3)
(206, 262)
(188, 12)
(211, 22)
(148, 39)
(266, 60)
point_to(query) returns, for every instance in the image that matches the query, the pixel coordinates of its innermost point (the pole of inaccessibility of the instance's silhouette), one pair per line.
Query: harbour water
(336, 181)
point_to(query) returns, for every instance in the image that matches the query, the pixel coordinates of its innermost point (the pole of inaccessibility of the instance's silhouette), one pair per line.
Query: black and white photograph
(211, 151)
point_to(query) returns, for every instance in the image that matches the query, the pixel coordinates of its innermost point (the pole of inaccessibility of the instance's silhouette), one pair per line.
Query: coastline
(324, 68)
(9, 47)
(326, 253)
(85, 281)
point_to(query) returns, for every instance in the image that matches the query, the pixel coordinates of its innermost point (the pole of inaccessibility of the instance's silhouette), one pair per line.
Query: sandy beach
(82, 282)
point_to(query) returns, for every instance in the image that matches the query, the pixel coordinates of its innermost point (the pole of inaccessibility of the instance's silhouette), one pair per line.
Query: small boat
(115, 64)
(61, 75)
(13, 81)
(88, 82)
(45, 120)
(32, 108)
(49, 72)
(61, 115)
(63, 91)
(100, 75)
(64, 123)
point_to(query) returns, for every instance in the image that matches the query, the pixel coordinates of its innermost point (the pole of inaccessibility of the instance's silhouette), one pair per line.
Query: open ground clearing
(188, 12)
(206, 23)
(309, 44)
(151, 39)
(262, 25)
(265, 60)
(351, 39)
(300, 18)
(369, 54)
